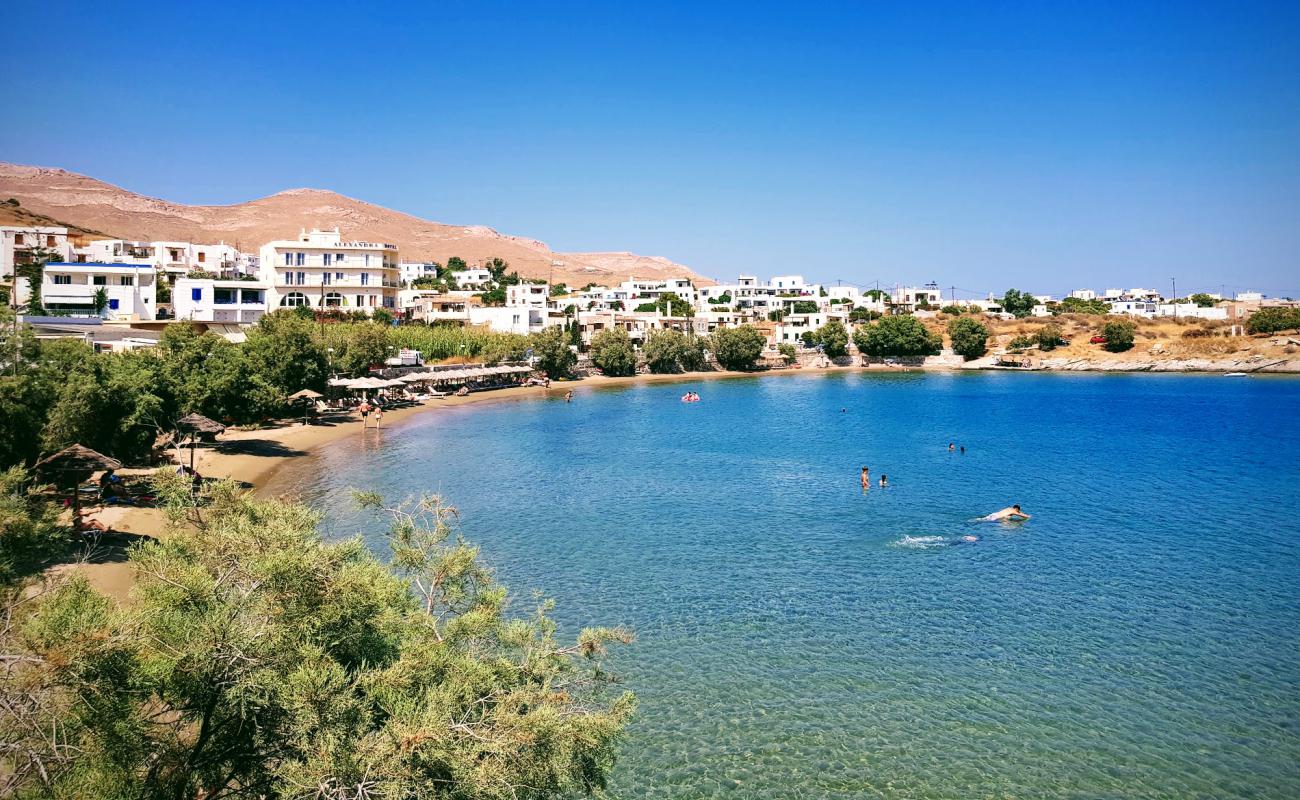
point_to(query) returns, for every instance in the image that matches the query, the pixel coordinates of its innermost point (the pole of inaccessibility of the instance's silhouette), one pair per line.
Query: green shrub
(738, 348)
(969, 338)
(1274, 319)
(898, 336)
(1119, 335)
(611, 350)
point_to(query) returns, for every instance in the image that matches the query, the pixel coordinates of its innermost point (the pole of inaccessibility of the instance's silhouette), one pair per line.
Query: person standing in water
(952, 446)
(568, 396)
(884, 480)
(866, 478)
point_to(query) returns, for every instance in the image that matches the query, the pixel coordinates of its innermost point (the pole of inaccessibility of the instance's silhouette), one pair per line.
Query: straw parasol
(305, 397)
(72, 463)
(196, 426)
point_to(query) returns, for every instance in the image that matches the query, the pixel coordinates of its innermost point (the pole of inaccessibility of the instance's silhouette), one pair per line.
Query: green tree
(1048, 337)
(787, 352)
(259, 661)
(969, 338)
(1073, 305)
(863, 315)
(116, 404)
(101, 300)
(30, 532)
(612, 351)
(357, 346)
(720, 300)
(803, 307)
(284, 357)
(1273, 319)
(833, 338)
(551, 349)
(205, 374)
(1017, 303)
(457, 264)
(1119, 335)
(738, 348)
(897, 336)
(1203, 300)
(668, 351)
(952, 310)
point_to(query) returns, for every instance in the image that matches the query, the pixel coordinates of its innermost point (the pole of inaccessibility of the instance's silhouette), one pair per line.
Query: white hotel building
(321, 270)
(129, 289)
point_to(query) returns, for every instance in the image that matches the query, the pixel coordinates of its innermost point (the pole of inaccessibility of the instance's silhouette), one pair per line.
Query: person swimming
(952, 446)
(884, 480)
(1011, 514)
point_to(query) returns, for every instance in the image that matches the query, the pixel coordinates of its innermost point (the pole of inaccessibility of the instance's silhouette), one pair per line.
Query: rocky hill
(97, 206)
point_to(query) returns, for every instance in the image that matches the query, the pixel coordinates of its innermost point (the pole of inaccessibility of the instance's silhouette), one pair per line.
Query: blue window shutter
(112, 303)
(196, 295)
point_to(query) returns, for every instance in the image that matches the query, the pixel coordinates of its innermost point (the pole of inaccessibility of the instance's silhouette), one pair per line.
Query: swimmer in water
(968, 538)
(866, 478)
(884, 480)
(952, 446)
(568, 397)
(963, 449)
(1011, 514)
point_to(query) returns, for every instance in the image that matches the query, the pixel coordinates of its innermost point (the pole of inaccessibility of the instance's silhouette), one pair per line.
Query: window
(367, 259)
(338, 259)
(224, 297)
(250, 296)
(99, 280)
(361, 300)
(300, 259)
(338, 276)
(365, 279)
(196, 295)
(302, 278)
(325, 279)
(126, 280)
(294, 299)
(332, 299)
(328, 257)
(62, 280)
(18, 238)
(49, 241)
(288, 259)
(113, 303)
(202, 256)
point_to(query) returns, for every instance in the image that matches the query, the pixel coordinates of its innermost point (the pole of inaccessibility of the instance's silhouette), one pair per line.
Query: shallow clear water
(797, 637)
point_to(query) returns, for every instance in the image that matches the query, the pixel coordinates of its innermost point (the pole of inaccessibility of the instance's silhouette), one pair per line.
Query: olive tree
(897, 336)
(611, 350)
(738, 348)
(969, 338)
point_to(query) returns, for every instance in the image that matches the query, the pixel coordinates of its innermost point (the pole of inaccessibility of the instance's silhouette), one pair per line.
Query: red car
(1097, 340)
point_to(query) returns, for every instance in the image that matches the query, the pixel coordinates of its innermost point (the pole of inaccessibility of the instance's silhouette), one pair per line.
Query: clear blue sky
(1042, 145)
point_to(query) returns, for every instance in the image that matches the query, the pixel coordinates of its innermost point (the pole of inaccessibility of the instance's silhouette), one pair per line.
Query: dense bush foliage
(1048, 337)
(738, 348)
(1272, 320)
(257, 660)
(553, 352)
(969, 338)
(612, 351)
(897, 336)
(1017, 303)
(673, 351)
(833, 338)
(1073, 305)
(1119, 335)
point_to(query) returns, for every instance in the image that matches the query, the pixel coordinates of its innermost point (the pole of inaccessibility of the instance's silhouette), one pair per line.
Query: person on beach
(379, 417)
(1011, 513)
(364, 408)
(866, 478)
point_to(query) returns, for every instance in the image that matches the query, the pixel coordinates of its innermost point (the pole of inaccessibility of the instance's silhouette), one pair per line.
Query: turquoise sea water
(797, 637)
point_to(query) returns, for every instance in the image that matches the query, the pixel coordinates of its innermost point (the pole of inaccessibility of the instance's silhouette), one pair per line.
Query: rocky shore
(1251, 364)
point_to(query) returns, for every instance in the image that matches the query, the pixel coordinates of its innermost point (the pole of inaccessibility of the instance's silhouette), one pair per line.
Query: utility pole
(1174, 281)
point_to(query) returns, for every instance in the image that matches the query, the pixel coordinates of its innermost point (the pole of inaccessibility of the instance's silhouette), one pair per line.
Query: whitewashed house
(219, 300)
(322, 270)
(72, 288)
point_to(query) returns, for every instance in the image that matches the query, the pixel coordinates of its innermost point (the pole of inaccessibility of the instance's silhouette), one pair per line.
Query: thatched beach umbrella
(306, 396)
(196, 426)
(73, 464)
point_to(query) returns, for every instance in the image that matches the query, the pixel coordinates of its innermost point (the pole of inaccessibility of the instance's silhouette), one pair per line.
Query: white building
(475, 280)
(792, 327)
(528, 295)
(321, 270)
(217, 300)
(906, 299)
(18, 244)
(129, 289)
(412, 271)
(1083, 294)
(174, 258)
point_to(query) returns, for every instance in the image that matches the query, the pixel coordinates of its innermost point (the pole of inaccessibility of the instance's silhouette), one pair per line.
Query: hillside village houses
(221, 285)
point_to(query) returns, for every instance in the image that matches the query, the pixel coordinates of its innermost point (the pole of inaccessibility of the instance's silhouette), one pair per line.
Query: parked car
(1097, 340)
